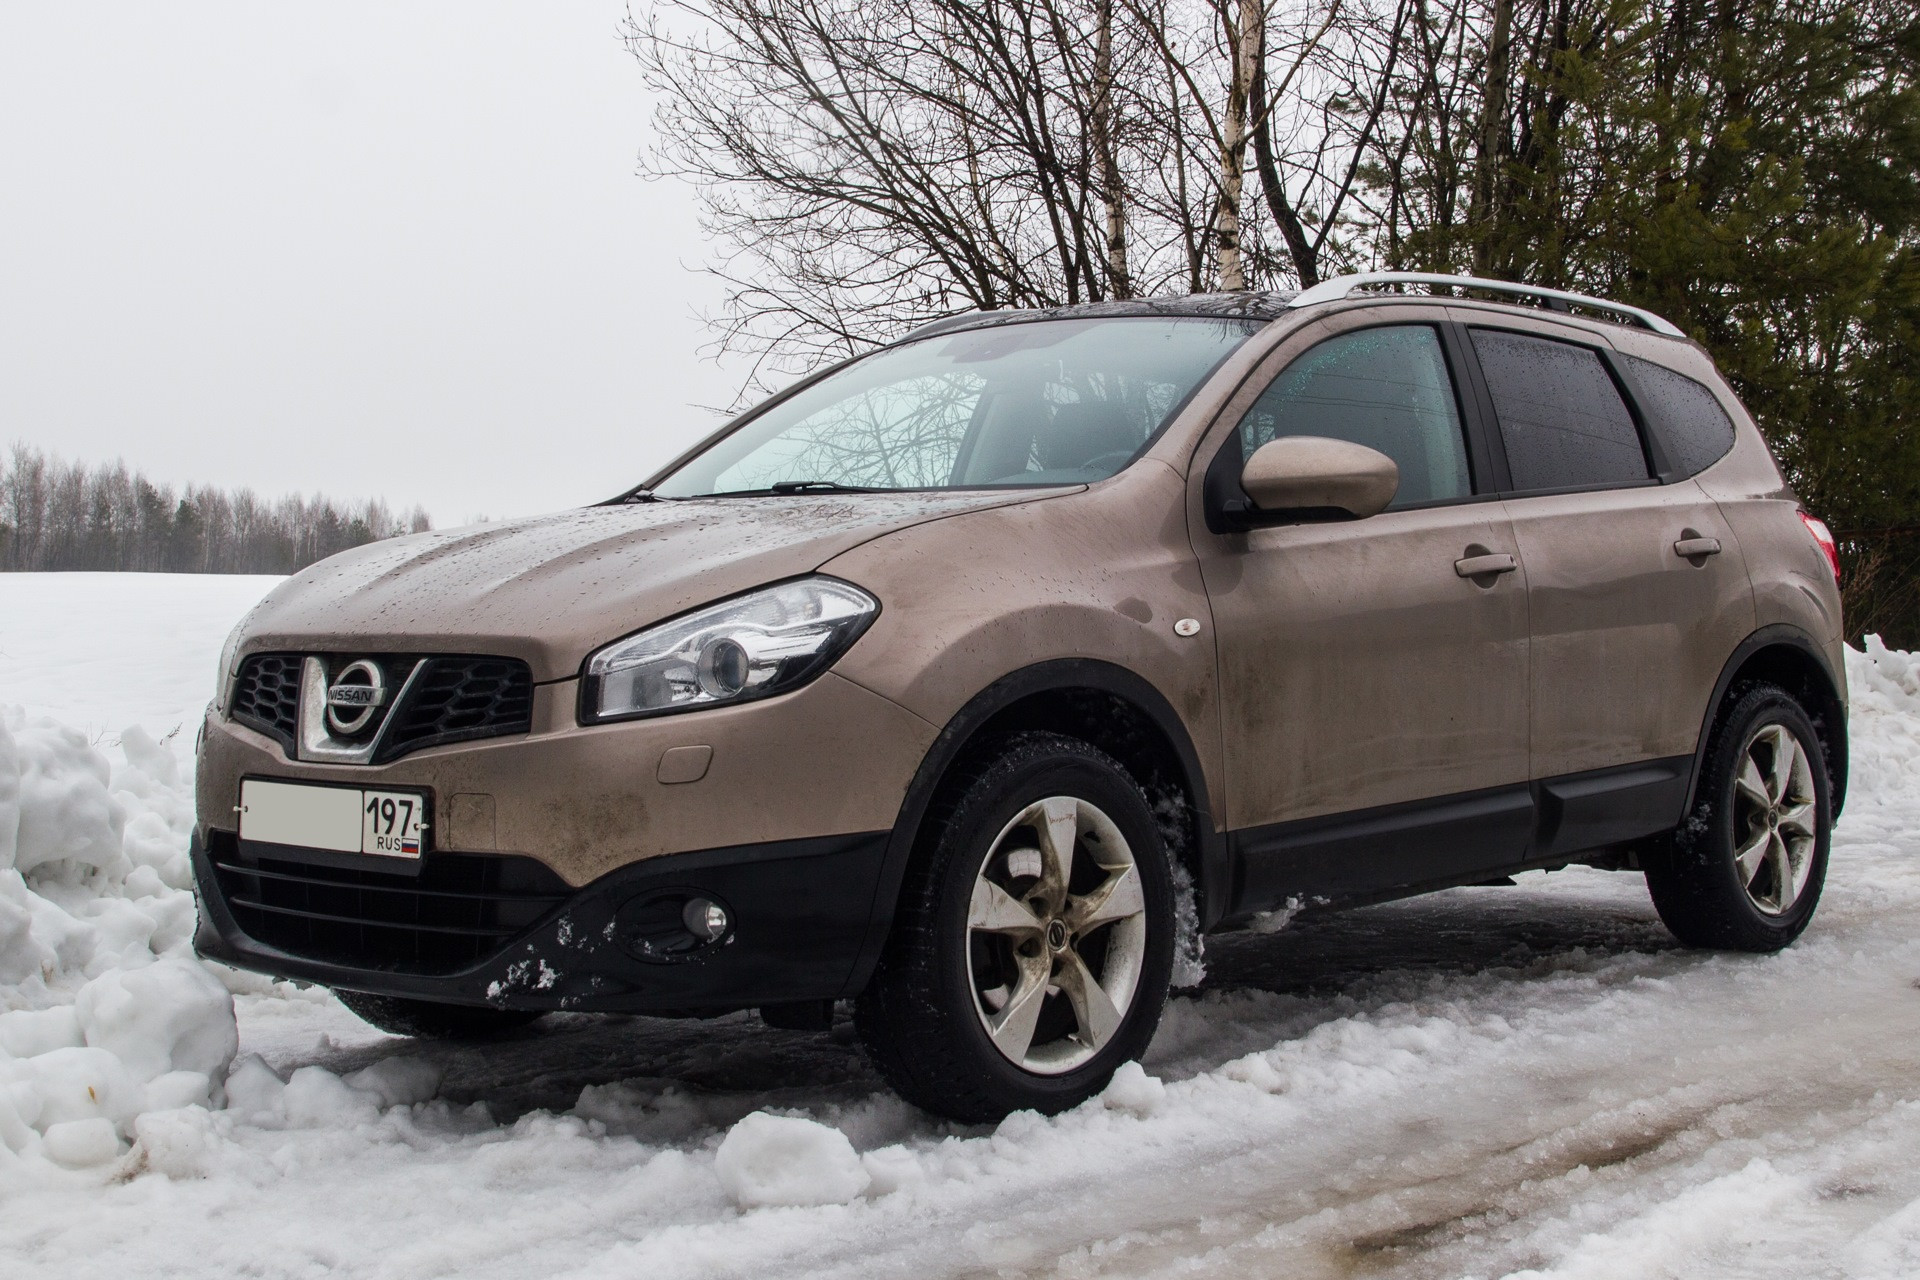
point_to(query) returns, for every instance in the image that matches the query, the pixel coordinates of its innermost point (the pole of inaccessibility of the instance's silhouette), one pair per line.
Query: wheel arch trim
(1208, 858)
(1783, 636)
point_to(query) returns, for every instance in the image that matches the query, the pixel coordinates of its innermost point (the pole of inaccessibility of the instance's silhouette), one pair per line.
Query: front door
(1373, 687)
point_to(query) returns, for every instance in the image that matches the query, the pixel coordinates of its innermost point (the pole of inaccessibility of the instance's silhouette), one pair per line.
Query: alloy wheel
(1774, 819)
(1056, 935)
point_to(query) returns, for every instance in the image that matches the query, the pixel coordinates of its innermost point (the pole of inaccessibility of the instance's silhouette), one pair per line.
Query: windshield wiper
(782, 488)
(815, 486)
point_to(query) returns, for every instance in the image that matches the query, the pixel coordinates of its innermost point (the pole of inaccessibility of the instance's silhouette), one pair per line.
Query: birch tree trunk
(1112, 192)
(1246, 37)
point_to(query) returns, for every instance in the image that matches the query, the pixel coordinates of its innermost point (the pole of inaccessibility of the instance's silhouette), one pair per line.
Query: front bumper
(800, 911)
(824, 760)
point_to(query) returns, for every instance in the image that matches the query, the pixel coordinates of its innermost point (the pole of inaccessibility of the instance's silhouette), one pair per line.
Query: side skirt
(1399, 850)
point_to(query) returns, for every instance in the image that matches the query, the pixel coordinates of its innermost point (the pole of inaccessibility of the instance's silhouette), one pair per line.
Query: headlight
(752, 646)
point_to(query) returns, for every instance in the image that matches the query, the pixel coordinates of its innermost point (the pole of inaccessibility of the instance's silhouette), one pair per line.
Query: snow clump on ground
(106, 1017)
(768, 1160)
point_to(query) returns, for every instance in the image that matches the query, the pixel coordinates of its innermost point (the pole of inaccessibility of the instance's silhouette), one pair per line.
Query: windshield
(1043, 403)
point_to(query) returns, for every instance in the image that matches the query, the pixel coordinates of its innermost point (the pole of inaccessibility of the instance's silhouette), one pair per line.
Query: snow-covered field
(1525, 1080)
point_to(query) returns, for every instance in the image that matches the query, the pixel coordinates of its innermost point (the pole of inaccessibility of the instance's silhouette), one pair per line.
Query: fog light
(704, 918)
(669, 926)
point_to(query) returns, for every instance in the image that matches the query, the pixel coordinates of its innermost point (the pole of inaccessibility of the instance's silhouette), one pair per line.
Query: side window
(1694, 428)
(1385, 388)
(1561, 417)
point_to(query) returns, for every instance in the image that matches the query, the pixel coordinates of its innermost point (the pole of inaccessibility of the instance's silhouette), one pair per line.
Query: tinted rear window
(1695, 429)
(1563, 421)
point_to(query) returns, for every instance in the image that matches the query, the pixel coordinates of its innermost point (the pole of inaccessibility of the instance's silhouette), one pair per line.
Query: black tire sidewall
(1705, 846)
(1034, 768)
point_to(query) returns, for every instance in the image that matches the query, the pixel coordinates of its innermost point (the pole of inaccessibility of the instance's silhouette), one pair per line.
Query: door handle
(1483, 566)
(1691, 548)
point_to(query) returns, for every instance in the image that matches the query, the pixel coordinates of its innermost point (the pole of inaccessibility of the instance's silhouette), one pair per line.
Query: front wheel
(1034, 942)
(1744, 871)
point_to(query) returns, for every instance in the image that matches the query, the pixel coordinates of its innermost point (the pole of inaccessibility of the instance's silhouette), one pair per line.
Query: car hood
(551, 589)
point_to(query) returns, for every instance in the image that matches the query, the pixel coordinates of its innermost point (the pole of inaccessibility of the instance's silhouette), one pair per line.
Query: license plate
(387, 824)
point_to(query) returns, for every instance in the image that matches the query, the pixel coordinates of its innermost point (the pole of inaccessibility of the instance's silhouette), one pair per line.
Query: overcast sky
(368, 249)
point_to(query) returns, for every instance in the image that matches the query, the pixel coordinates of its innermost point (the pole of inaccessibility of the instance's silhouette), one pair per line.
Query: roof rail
(1340, 286)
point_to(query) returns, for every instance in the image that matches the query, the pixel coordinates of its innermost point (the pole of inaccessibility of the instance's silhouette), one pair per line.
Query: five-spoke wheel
(1775, 817)
(1034, 941)
(1744, 870)
(1057, 931)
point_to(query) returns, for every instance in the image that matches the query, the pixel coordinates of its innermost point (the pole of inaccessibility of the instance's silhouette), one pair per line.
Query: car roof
(1268, 305)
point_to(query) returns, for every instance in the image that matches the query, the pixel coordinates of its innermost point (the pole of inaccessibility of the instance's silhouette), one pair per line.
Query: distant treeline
(56, 515)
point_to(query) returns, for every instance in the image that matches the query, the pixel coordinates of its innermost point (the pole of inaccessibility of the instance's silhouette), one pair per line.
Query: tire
(1015, 979)
(427, 1020)
(1744, 871)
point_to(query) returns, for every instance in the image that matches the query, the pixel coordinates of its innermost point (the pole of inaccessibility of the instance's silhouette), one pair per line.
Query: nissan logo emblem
(354, 696)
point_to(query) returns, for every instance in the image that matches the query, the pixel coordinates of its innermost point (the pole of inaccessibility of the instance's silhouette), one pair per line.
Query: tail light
(1824, 536)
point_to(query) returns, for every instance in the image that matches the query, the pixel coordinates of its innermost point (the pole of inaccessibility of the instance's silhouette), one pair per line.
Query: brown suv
(970, 678)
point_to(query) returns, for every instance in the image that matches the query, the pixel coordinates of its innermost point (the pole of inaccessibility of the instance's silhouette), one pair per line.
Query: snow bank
(1883, 687)
(105, 1015)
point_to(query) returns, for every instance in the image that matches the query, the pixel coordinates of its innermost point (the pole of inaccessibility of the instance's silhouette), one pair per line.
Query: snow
(787, 1160)
(100, 651)
(104, 1011)
(1523, 1081)
(1134, 1091)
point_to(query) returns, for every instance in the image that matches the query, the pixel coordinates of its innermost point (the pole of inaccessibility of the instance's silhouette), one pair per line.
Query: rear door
(1373, 699)
(1636, 589)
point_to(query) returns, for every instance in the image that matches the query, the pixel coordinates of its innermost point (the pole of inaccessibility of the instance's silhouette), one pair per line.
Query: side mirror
(1315, 474)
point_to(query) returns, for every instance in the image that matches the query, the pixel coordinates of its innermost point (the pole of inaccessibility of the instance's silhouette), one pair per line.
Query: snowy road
(1481, 1083)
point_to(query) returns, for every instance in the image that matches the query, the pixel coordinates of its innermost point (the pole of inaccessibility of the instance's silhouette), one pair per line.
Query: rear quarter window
(1694, 428)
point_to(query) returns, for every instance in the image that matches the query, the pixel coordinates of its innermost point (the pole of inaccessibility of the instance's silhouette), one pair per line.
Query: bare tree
(56, 515)
(873, 163)
(1312, 146)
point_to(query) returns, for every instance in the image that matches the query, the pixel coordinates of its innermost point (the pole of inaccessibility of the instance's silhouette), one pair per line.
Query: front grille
(459, 910)
(453, 699)
(266, 695)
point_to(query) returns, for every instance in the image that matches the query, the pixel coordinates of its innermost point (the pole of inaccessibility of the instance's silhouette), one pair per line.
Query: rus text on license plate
(389, 824)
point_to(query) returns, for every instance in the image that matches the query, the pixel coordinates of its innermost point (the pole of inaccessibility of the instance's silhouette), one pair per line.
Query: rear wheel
(1034, 942)
(1745, 870)
(428, 1020)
